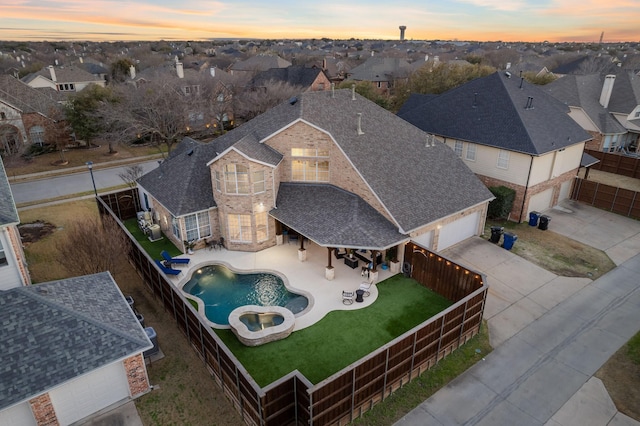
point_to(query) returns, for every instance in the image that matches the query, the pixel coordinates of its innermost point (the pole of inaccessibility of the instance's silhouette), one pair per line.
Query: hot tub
(256, 325)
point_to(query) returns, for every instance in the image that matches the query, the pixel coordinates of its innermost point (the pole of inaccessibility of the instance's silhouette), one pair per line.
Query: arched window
(236, 179)
(36, 134)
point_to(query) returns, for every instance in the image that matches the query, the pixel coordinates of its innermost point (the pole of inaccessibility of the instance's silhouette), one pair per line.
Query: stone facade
(43, 411)
(136, 375)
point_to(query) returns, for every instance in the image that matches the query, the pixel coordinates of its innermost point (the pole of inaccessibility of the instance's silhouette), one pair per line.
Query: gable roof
(583, 91)
(416, 184)
(25, 98)
(500, 111)
(56, 331)
(293, 75)
(65, 74)
(8, 212)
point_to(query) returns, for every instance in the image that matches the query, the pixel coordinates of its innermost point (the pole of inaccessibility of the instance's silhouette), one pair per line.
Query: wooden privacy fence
(337, 400)
(616, 163)
(618, 200)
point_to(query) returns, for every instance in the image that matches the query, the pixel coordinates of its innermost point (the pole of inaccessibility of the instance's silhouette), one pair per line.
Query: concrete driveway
(550, 333)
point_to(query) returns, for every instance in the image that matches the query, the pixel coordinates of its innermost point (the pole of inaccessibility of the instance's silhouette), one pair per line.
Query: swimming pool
(222, 290)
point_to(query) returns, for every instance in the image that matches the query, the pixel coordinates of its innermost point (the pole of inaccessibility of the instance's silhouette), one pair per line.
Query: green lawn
(153, 249)
(342, 337)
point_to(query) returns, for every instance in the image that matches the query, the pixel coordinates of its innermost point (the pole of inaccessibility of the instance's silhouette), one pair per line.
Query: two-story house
(64, 79)
(331, 166)
(607, 106)
(312, 79)
(509, 133)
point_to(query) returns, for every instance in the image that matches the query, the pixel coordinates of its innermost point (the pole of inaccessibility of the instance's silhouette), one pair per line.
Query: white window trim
(227, 175)
(198, 228)
(458, 148)
(240, 230)
(503, 159)
(471, 149)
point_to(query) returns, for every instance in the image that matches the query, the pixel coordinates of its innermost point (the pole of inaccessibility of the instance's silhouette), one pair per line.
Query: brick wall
(43, 411)
(596, 143)
(21, 261)
(520, 205)
(136, 375)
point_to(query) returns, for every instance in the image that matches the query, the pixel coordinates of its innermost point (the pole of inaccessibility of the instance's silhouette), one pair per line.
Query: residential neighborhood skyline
(479, 20)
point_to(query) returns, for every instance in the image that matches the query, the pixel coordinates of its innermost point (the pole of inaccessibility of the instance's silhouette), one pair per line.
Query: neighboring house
(27, 116)
(255, 64)
(607, 106)
(70, 348)
(307, 79)
(510, 133)
(64, 79)
(331, 166)
(381, 72)
(13, 265)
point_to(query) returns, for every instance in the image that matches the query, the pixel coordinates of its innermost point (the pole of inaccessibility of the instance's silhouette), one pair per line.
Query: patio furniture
(339, 254)
(359, 294)
(166, 270)
(351, 262)
(210, 244)
(347, 297)
(293, 238)
(366, 287)
(174, 260)
(220, 243)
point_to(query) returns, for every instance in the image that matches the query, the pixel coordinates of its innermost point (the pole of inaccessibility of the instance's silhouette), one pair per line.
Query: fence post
(615, 197)
(633, 202)
(464, 317)
(595, 192)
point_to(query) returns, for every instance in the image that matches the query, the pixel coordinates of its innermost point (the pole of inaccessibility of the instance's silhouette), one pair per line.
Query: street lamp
(90, 166)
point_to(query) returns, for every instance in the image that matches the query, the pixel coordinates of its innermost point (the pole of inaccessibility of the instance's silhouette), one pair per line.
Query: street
(75, 183)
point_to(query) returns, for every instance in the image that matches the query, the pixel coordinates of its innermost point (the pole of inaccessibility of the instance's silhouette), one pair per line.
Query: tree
(159, 110)
(253, 102)
(131, 175)
(120, 69)
(81, 113)
(92, 245)
(436, 80)
(367, 90)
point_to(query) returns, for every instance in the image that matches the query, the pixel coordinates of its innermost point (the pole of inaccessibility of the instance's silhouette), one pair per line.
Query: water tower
(402, 28)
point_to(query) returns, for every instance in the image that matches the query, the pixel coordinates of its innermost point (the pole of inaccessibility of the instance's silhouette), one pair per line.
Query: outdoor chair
(166, 270)
(348, 296)
(366, 287)
(174, 260)
(210, 244)
(293, 238)
(220, 243)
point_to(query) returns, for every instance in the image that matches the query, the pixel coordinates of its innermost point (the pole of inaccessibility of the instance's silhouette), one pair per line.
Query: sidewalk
(550, 334)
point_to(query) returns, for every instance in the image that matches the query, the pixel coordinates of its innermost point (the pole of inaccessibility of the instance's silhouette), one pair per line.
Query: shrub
(501, 206)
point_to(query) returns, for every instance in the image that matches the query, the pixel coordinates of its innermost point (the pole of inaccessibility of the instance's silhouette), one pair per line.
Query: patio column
(329, 271)
(373, 274)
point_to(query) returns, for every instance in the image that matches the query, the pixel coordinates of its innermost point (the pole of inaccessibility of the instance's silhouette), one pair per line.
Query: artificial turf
(152, 248)
(342, 337)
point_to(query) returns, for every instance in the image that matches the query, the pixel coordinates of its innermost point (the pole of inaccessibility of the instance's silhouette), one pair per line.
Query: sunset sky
(507, 20)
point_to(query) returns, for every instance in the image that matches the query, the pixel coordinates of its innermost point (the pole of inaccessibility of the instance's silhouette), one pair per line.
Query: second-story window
(309, 165)
(258, 182)
(503, 159)
(236, 179)
(457, 148)
(471, 152)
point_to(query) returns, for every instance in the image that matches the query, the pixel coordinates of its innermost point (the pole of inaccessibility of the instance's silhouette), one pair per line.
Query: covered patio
(306, 277)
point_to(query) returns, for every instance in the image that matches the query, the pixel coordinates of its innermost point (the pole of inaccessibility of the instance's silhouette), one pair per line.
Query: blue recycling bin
(508, 240)
(533, 218)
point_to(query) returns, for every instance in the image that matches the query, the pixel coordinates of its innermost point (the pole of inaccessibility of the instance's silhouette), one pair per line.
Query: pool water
(222, 290)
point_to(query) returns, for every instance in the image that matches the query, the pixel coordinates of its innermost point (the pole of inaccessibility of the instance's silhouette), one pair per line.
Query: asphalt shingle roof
(583, 91)
(25, 98)
(293, 75)
(8, 212)
(493, 111)
(333, 217)
(417, 184)
(54, 332)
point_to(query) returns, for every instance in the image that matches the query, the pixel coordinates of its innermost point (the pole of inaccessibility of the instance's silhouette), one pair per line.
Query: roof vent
(190, 153)
(508, 74)
(353, 92)
(475, 100)
(293, 100)
(529, 104)
(360, 132)
(333, 90)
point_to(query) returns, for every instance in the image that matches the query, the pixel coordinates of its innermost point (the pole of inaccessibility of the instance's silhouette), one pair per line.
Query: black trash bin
(544, 222)
(151, 334)
(509, 239)
(496, 232)
(533, 218)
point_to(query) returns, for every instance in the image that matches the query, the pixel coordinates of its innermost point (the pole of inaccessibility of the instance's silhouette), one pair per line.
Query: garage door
(540, 202)
(459, 230)
(18, 415)
(89, 394)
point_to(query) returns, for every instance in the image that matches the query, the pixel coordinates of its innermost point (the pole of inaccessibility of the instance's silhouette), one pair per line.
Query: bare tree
(159, 110)
(92, 246)
(253, 102)
(131, 175)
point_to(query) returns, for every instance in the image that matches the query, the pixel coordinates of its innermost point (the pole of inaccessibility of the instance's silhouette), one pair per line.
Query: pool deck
(306, 277)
